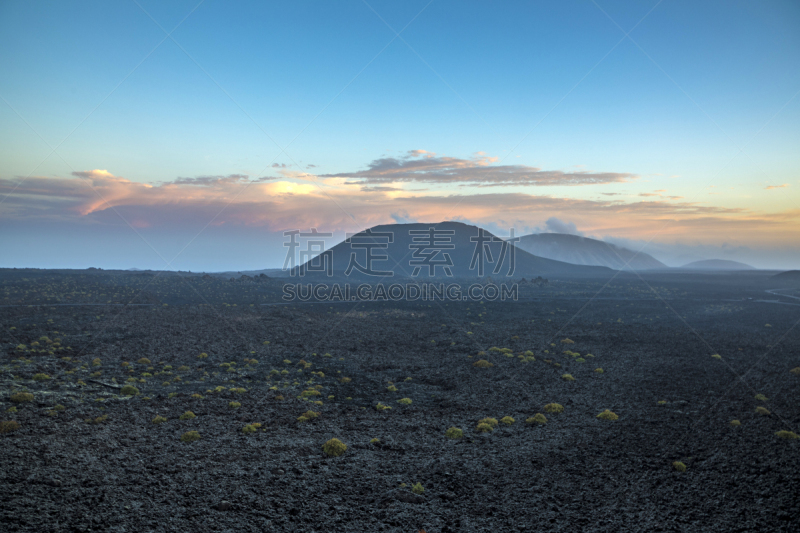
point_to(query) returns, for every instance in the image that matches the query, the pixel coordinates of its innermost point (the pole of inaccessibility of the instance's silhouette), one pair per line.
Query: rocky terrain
(677, 359)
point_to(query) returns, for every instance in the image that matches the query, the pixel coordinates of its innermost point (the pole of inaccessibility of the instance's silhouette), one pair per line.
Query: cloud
(776, 186)
(554, 225)
(427, 167)
(402, 217)
(279, 165)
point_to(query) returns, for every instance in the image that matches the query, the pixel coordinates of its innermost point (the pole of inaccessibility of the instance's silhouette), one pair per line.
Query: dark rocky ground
(653, 340)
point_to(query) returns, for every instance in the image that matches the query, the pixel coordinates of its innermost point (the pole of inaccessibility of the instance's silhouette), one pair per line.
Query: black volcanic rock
(402, 250)
(585, 251)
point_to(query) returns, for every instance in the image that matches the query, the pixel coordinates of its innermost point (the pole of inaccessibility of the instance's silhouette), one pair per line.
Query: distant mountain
(717, 264)
(408, 255)
(584, 251)
(791, 276)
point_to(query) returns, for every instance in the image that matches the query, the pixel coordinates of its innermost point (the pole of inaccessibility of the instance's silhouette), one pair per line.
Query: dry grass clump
(234, 405)
(599, 370)
(334, 448)
(507, 420)
(404, 401)
(482, 363)
(96, 361)
(41, 377)
(538, 418)
(553, 408)
(391, 388)
(567, 341)
(251, 428)
(188, 415)
(190, 436)
(417, 488)
(310, 392)
(7, 426)
(21, 397)
(159, 419)
(484, 428)
(761, 398)
(144, 361)
(608, 415)
(787, 434)
(679, 466)
(129, 390)
(568, 377)
(381, 407)
(716, 356)
(197, 396)
(735, 423)
(454, 433)
(203, 355)
(762, 410)
(344, 380)
(308, 415)
(491, 421)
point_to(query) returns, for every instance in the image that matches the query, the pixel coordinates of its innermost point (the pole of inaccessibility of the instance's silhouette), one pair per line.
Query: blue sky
(700, 104)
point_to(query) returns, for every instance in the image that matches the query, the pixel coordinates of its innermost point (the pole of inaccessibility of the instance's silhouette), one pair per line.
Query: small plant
(375, 441)
(553, 408)
(761, 398)
(568, 341)
(129, 390)
(735, 423)
(662, 402)
(599, 370)
(345, 380)
(7, 426)
(404, 401)
(454, 433)
(507, 420)
(567, 377)
(11, 409)
(795, 371)
(787, 434)
(717, 357)
(190, 436)
(250, 428)
(234, 405)
(159, 419)
(41, 377)
(22, 397)
(483, 427)
(538, 418)
(310, 392)
(188, 415)
(144, 361)
(98, 420)
(197, 396)
(96, 362)
(608, 415)
(482, 363)
(59, 407)
(382, 407)
(679, 466)
(762, 410)
(334, 448)
(391, 388)
(580, 360)
(203, 355)
(417, 488)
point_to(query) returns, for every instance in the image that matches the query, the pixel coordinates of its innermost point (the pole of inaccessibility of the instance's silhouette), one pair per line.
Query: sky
(191, 135)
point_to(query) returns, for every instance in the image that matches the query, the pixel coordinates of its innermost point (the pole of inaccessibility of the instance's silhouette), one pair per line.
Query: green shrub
(787, 434)
(718, 357)
(234, 405)
(404, 401)
(417, 488)
(22, 397)
(553, 408)
(7, 426)
(761, 398)
(381, 407)
(735, 423)
(484, 428)
(96, 361)
(608, 415)
(599, 370)
(197, 396)
(795, 371)
(762, 410)
(482, 363)
(203, 355)
(491, 421)
(188, 415)
(454, 433)
(41, 377)
(310, 392)
(59, 407)
(98, 420)
(334, 448)
(159, 419)
(129, 390)
(507, 420)
(568, 341)
(538, 418)
(144, 361)
(679, 466)
(391, 388)
(568, 377)
(250, 428)
(190, 436)
(375, 441)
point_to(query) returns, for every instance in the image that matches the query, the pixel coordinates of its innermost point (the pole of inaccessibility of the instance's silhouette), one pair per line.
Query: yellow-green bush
(762, 410)
(454, 433)
(795, 371)
(59, 407)
(7, 426)
(190, 436)
(417, 488)
(761, 398)
(484, 428)
(234, 405)
(787, 434)
(96, 361)
(491, 421)
(735, 423)
(538, 418)
(41, 377)
(159, 419)
(568, 377)
(334, 448)
(553, 408)
(21, 397)
(716, 356)
(129, 390)
(375, 441)
(144, 361)
(482, 363)
(382, 407)
(679, 466)
(599, 370)
(507, 420)
(404, 401)
(608, 415)
(188, 415)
